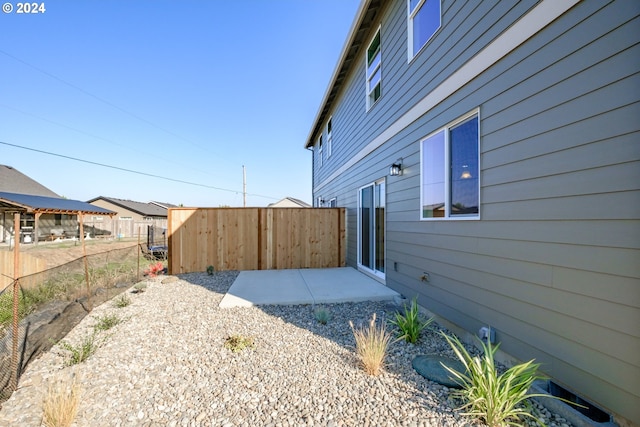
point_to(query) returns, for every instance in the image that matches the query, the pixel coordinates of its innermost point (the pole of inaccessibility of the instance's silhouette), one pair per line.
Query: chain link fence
(44, 307)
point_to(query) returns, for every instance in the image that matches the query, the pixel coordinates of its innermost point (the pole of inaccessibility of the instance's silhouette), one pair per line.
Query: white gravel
(166, 365)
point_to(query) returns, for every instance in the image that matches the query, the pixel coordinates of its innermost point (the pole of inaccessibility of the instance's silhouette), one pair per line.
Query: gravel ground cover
(166, 364)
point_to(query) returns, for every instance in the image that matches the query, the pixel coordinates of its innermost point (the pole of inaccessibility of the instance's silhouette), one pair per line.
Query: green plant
(237, 343)
(81, 352)
(122, 301)
(498, 399)
(210, 270)
(372, 343)
(61, 404)
(107, 322)
(409, 324)
(322, 315)
(139, 288)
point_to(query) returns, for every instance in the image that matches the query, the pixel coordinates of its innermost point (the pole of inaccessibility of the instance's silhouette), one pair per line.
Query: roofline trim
(364, 5)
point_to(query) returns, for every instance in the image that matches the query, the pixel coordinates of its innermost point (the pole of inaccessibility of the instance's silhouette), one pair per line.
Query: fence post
(139, 247)
(86, 263)
(16, 301)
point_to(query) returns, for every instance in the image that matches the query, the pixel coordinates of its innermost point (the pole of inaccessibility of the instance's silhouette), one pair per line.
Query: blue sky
(183, 89)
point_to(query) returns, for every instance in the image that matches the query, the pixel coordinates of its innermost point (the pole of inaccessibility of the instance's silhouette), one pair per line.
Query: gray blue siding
(554, 262)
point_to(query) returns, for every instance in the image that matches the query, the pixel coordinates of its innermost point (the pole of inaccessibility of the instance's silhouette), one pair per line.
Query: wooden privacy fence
(28, 265)
(255, 238)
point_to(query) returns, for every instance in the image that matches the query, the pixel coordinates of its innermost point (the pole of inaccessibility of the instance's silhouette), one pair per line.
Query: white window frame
(371, 90)
(333, 202)
(329, 136)
(410, 17)
(447, 171)
(320, 157)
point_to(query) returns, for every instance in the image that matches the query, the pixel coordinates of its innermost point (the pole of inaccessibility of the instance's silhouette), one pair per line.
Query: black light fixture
(396, 168)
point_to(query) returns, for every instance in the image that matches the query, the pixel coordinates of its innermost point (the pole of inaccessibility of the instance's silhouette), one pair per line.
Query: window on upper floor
(374, 70)
(424, 21)
(320, 151)
(329, 137)
(450, 171)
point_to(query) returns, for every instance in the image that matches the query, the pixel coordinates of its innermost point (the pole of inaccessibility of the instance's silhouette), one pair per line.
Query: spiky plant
(372, 343)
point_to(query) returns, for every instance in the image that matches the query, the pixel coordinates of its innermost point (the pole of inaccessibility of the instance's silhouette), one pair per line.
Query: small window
(329, 137)
(374, 70)
(57, 219)
(450, 171)
(333, 203)
(424, 21)
(97, 218)
(126, 218)
(320, 151)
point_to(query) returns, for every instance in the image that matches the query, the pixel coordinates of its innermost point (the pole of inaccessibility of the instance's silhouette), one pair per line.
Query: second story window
(329, 137)
(374, 75)
(424, 21)
(320, 151)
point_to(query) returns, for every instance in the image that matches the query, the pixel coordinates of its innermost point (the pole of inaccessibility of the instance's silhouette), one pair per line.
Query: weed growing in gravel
(371, 345)
(409, 324)
(81, 352)
(61, 404)
(322, 315)
(139, 288)
(122, 301)
(107, 322)
(237, 343)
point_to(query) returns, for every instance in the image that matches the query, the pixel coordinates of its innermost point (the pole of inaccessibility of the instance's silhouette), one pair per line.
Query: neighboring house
(132, 217)
(289, 202)
(488, 157)
(43, 214)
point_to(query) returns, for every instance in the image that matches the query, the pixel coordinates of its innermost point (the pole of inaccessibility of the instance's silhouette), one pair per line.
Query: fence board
(28, 265)
(255, 238)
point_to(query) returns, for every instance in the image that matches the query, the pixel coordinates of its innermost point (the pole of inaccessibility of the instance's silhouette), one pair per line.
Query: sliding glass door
(371, 221)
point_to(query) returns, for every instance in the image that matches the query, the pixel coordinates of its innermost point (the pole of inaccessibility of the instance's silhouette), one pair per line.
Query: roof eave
(340, 71)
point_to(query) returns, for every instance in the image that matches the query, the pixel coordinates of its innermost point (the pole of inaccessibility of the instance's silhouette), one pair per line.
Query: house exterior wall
(553, 262)
(125, 223)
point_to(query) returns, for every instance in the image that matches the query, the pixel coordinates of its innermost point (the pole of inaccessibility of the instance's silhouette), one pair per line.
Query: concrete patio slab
(304, 286)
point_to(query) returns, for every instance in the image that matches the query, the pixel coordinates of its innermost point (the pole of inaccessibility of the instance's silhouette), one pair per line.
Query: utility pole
(244, 187)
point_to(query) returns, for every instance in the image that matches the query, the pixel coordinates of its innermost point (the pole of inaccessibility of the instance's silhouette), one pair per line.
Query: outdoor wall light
(396, 168)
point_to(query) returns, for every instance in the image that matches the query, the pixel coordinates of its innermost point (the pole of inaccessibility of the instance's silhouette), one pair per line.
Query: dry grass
(372, 343)
(61, 403)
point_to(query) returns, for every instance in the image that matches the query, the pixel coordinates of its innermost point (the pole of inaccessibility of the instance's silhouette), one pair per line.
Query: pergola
(26, 203)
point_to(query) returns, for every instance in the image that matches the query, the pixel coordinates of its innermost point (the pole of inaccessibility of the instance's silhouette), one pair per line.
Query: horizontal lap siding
(554, 262)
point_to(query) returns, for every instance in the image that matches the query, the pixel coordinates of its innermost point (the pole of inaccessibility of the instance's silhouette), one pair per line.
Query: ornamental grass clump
(409, 324)
(60, 405)
(372, 343)
(322, 315)
(497, 399)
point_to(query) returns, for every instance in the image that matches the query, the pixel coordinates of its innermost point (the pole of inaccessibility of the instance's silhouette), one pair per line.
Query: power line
(104, 101)
(94, 136)
(133, 171)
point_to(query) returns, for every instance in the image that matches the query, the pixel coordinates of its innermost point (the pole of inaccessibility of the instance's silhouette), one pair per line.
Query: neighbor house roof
(14, 181)
(41, 204)
(289, 202)
(141, 208)
(366, 18)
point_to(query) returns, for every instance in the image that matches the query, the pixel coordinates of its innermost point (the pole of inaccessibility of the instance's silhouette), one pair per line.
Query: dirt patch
(58, 253)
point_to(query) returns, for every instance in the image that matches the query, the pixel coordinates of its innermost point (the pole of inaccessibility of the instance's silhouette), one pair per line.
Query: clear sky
(183, 89)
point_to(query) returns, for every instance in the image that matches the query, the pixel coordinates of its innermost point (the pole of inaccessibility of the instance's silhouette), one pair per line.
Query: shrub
(497, 399)
(61, 404)
(107, 322)
(409, 324)
(237, 343)
(322, 315)
(81, 352)
(122, 301)
(210, 270)
(371, 345)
